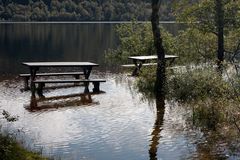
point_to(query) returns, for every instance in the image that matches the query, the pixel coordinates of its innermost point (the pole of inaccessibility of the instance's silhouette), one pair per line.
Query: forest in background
(81, 10)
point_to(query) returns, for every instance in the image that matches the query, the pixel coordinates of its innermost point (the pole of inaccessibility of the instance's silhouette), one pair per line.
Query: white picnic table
(139, 61)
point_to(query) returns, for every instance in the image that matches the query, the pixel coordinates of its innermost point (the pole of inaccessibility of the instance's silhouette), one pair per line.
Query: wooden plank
(59, 64)
(177, 67)
(41, 84)
(69, 81)
(145, 64)
(53, 74)
(151, 57)
(128, 65)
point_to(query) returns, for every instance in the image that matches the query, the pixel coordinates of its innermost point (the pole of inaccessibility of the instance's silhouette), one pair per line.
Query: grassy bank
(11, 150)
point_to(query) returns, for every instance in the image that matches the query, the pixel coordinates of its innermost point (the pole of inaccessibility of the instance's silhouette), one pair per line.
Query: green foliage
(199, 84)
(11, 150)
(134, 39)
(201, 16)
(195, 47)
(191, 45)
(80, 10)
(213, 98)
(146, 82)
(232, 43)
(192, 85)
(137, 39)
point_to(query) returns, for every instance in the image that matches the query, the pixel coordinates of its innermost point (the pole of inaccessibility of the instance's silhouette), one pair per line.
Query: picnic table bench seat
(144, 64)
(52, 74)
(95, 82)
(27, 76)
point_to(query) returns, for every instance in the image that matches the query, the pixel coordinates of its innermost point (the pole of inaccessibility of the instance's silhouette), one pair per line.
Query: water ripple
(117, 124)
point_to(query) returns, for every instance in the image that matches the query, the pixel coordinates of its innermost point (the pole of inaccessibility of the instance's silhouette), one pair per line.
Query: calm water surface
(118, 124)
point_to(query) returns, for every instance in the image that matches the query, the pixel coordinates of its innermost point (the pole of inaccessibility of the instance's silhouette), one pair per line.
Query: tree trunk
(220, 31)
(160, 74)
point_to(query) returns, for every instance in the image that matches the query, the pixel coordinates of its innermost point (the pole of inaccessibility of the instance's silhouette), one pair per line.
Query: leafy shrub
(194, 46)
(192, 85)
(146, 81)
(136, 39)
(199, 84)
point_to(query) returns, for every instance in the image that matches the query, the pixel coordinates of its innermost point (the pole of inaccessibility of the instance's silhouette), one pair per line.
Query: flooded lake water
(116, 124)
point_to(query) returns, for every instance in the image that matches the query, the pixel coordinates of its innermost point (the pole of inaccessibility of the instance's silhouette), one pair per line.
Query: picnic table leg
(137, 67)
(40, 90)
(96, 87)
(86, 84)
(33, 71)
(26, 84)
(135, 71)
(87, 71)
(171, 62)
(33, 102)
(76, 77)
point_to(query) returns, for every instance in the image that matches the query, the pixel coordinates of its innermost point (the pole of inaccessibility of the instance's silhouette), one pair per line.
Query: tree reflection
(160, 106)
(61, 101)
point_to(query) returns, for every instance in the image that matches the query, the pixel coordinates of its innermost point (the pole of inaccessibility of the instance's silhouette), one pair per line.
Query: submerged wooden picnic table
(139, 61)
(35, 66)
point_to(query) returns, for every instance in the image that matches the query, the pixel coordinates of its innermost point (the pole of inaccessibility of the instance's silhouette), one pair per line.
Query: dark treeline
(80, 10)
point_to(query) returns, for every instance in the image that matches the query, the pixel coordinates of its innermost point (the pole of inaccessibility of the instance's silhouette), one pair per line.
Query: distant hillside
(80, 10)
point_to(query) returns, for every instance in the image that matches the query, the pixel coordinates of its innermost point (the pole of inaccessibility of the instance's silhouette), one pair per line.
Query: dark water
(53, 42)
(21, 42)
(118, 124)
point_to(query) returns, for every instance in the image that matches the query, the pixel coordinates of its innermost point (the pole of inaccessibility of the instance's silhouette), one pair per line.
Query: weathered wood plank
(53, 74)
(60, 64)
(151, 57)
(41, 84)
(69, 80)
(144, 64)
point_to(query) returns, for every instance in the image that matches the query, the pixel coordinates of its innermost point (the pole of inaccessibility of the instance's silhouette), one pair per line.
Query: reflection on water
(114, 125)
(117, 124)
(21, 42)
(53, 42)
(61, 101)
(160, 107)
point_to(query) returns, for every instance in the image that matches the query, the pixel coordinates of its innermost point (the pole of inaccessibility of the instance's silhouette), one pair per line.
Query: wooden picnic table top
(60, 64)
(151, 57)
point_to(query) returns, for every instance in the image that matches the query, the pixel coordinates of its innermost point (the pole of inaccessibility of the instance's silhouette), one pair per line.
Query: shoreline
(84, 22)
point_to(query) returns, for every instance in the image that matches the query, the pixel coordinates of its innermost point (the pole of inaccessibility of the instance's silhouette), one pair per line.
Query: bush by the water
(213, 98)
(191, 85)
(11, 150)
(199, 84)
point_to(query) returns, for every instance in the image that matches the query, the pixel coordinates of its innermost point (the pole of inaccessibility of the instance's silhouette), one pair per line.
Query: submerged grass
(11, 150)
(213, 98)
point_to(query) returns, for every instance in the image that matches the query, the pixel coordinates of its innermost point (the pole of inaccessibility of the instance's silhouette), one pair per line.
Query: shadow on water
(54, 102)
(160, 106)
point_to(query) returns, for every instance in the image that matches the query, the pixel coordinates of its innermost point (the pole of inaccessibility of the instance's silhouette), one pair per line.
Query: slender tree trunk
(161, 75)
(220, 31)
(160, 79)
